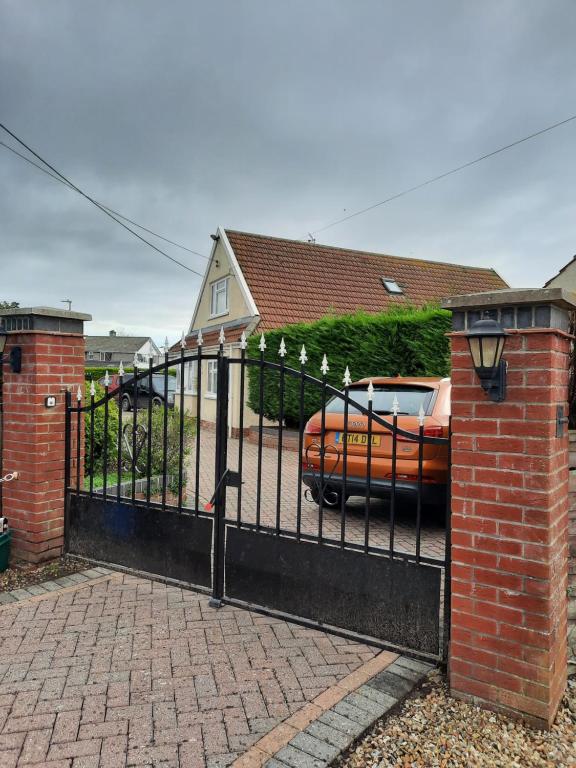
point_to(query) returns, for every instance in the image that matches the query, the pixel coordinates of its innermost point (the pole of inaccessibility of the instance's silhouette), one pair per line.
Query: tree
(9, 304)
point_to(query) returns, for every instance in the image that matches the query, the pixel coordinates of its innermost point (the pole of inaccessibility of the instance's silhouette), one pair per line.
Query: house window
(211, 386)
(391, 285)
(191, 378)
(141, 358)
(105, 356)
(219, 298)
(90, 356)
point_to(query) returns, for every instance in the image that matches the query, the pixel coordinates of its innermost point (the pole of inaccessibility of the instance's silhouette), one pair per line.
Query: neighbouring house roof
(560, 271)
(116, 344)
(293, 281)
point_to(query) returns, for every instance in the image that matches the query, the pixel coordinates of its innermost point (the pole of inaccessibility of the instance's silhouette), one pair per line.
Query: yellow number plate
(355, 438)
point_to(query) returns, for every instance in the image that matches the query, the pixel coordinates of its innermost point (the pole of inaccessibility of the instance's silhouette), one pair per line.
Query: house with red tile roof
(254, 283)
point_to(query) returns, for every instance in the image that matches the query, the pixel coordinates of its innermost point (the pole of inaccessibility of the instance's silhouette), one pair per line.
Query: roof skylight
(391, 285)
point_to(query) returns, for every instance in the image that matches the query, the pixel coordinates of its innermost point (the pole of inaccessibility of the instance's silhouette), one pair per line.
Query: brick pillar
(52, 345)
(508, 645)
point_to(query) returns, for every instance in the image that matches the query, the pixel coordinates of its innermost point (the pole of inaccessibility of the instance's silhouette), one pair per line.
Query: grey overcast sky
(278, 117)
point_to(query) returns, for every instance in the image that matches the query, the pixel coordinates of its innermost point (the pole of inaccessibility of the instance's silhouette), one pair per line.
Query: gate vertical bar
(67, 460)
(219, 480)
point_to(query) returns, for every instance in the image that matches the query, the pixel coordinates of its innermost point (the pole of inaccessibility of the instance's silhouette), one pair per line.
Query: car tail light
(313, 428)
(431, 431)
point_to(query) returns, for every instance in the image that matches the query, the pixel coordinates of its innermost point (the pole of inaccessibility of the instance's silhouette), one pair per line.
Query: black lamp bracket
(14, 359)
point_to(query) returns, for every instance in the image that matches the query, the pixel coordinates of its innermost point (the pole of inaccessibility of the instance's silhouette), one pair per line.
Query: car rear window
(158, 382)
(410, 398)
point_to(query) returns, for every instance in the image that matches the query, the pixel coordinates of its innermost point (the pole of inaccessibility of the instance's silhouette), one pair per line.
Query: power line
(116, 213)
(443, 175)
(108, 212)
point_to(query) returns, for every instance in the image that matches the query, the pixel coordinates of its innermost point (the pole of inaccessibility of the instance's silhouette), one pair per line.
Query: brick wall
(572, 554)
(33, 439)
(509, 530)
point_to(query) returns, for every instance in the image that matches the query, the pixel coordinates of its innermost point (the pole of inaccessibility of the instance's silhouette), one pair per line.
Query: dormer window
(391, 285)
(219, 298)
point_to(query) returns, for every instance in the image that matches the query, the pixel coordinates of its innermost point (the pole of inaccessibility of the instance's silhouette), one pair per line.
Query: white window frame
(191, 378)
(211, 379)
(217, 289)
(103, 357)
(91, 355)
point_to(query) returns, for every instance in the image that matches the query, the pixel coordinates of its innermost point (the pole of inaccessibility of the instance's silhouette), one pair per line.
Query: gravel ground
(23, 574)
(433, 730)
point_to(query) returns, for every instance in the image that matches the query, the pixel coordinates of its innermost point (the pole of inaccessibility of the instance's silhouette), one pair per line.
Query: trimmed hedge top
(403, 342)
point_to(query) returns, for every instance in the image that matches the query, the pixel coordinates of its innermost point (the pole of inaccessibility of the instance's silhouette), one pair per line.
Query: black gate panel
(390, 599)
(166, 542)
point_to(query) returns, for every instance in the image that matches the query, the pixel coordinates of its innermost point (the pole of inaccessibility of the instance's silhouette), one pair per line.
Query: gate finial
(221, 337)
(370, 391)
(303, 355)
(243, 342)
(121, 369)
(92, 388)
(183, 341)
(262, 345)
(79, 394)
(106, 379)
(395, 406)
(324, 367)
(347, 380)
(421, 415)
(282, 350)
(200, 338)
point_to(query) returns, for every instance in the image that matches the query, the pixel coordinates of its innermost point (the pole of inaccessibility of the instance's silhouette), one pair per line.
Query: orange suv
(413, 396)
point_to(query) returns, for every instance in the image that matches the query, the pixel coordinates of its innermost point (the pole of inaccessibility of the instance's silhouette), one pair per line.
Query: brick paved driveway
(127, 672)
(432, 543)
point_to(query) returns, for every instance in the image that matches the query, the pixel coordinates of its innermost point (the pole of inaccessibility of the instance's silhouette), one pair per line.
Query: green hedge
(404, 342)
(95, 372)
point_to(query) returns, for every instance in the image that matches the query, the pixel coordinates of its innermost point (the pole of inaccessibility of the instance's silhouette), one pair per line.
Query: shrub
(403, 342)
(173, 441)
(99, 436)
(156, 464)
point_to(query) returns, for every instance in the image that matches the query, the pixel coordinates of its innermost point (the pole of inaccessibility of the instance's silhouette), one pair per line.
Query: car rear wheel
(157, 402)
(126, 404)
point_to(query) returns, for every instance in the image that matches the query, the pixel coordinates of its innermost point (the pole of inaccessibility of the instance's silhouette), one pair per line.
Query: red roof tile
(294, 281)
(210, 336)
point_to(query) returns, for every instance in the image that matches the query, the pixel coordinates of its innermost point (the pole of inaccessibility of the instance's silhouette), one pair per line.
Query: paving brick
(36, 745)
(315, 747)
(295, 758)
(329, 735)
(374, 694)
(374, 708)
(391, 684)
(341, 723)
(353, 713)
(126, 669)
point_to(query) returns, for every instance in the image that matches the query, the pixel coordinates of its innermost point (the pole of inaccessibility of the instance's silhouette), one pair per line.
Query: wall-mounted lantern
(486, 339)
(15, 356)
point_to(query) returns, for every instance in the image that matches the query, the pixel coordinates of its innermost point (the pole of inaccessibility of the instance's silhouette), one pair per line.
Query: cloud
(277, 118)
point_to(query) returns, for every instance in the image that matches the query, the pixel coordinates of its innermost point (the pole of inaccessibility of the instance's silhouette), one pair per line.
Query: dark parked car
(158, 394)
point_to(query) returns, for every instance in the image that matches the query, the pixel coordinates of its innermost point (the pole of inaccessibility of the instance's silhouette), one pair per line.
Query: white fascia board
(238, 272)
(203, 286)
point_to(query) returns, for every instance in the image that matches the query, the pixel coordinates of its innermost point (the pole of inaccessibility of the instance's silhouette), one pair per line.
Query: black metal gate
(296, 533)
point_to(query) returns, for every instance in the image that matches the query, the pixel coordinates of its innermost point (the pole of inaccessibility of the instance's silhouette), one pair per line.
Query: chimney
(112, 333)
